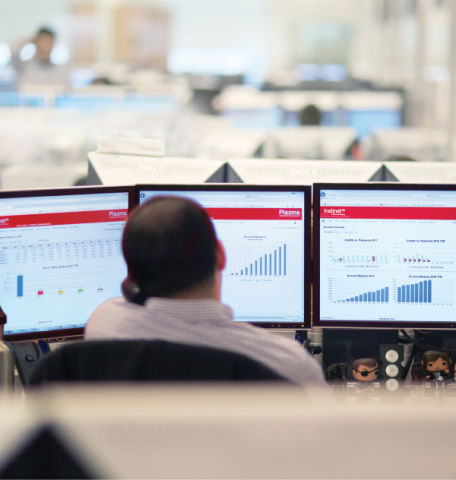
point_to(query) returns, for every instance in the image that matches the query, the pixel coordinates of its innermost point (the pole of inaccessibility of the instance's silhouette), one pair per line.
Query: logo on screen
(142, 195)
(334, 211)
(117, 214)
(289, 213)
(322, 194)
(4, 220)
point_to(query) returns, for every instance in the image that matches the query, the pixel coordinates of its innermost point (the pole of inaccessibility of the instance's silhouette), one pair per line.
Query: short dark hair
(432, 356)
(45, 31)
(169, 244)
(366, 362)
(310, 115)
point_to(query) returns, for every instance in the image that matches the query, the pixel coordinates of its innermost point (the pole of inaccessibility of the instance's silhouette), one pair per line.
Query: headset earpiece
(132, 292)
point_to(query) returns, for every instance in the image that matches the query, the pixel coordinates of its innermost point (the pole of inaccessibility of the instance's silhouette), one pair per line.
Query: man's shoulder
(268, 338)
(115, 307)
(116, 302)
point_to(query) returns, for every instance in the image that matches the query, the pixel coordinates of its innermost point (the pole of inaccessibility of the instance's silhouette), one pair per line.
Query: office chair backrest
(156, 360)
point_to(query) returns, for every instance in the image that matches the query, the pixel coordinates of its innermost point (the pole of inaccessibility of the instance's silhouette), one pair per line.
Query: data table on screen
(60, 258)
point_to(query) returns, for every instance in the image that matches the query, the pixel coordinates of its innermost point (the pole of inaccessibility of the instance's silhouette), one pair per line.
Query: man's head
(171, 250)
(44, 41)
(310, 116)
(365, 369)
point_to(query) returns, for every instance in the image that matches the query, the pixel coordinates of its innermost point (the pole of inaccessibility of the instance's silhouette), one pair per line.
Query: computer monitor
(87, 102)
(266, 235)
(365, 122)
(23, 99)
(384, 255)
(60, 257)
(255, 118)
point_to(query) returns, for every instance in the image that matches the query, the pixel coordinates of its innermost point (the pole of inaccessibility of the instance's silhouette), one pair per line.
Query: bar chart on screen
(252, 261)
(359, 290)
(263, 278)
(435, 291)
(428, 254)
(358, 253)
(61, 280)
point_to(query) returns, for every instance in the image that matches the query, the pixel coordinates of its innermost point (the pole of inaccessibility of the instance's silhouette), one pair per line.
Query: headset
(132, 292)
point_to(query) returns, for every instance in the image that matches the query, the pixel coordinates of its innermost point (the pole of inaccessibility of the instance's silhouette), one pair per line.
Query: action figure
(451, 380)
(417, 374)
(365, 370)
(436, 365)
(336, 376)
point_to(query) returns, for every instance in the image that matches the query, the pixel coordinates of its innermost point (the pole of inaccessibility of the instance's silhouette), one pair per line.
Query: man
(39, 69)
(175, 263)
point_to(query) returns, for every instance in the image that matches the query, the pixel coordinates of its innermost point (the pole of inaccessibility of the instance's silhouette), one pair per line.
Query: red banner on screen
(255, 213)
(67, 218)
(389, 213)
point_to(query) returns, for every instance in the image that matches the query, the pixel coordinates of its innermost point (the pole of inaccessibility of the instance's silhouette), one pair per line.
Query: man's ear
(220, 256)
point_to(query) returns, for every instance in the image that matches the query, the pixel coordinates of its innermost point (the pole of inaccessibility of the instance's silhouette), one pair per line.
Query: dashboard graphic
(387, 256)
(60, 258)
(263, 236)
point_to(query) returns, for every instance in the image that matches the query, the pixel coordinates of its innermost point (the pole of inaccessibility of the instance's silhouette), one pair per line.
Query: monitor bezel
(226, 187)
(54, 192)
(317, 322)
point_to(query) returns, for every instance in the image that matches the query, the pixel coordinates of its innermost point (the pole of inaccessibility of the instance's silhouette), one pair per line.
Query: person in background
(310, 116)
(173, 292)
(39, 69)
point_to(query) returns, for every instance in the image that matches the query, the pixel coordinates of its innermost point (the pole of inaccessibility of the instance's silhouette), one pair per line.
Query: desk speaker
(391, 369)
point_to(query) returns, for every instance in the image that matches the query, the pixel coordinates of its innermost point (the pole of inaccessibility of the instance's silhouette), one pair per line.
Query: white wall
(268, 34)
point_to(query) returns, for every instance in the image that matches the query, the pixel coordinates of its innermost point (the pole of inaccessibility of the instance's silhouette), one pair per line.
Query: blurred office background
(229, 79)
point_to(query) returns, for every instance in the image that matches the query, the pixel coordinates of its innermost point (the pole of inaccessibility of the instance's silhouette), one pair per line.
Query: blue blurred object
(131, 102)
(334, 73)
(364, 121)
(309, 72)
(150, 103)
(19, 99)
(263, 119)
(86, 102)
(81, 77)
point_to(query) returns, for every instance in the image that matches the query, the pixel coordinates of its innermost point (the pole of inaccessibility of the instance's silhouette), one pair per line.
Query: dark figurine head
(336, 372)
(417, 372)
(365, 369)
(436, 361)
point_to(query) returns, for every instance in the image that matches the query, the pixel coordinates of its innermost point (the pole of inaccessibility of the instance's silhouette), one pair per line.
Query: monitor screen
(260, 119)
(365, 122)
(384, 256)
(60, 253)
(266, 235)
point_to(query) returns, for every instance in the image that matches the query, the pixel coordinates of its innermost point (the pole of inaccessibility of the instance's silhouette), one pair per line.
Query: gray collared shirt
(34, 71)
(204, 323)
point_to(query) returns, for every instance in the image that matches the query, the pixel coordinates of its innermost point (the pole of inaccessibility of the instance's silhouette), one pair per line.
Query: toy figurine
(336, 376)
(452, 379)
(436, 365)
(365, 370)
(417, 374)
(450, 384)
(417, 382)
